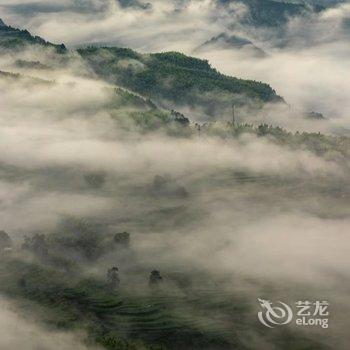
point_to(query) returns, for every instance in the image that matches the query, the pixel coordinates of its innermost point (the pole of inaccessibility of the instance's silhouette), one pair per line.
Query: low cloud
(306, 61)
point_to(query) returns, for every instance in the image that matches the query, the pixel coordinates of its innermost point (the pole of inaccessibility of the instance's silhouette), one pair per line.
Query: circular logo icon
(274, 315)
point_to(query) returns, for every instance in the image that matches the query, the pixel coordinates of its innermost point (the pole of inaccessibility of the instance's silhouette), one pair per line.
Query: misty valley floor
(202, 304)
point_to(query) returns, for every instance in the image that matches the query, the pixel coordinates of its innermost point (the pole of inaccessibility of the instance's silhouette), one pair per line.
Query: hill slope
(172, 78)
(12, 38)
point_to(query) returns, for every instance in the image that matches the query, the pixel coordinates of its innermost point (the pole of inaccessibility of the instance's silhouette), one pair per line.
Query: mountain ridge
(170, 79)
(11, 38)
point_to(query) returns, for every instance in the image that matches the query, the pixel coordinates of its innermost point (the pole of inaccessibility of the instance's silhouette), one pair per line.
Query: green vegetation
(26, 80)
(12, 38)
(189, 318)
(168, 78)
(30, 64)
(188, 311)
(176, 78)
(327, 146)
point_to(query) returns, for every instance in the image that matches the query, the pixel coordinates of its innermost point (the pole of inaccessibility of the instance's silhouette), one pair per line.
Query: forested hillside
(171, 79)
(174, 77)
(12, 38)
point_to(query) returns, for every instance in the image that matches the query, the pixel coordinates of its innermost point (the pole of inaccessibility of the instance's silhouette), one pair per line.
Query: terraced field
(186, 318)
(152, 317)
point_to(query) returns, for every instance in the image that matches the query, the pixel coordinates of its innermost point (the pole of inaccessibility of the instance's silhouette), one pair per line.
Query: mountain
(226, 41)
(170, 79)
(12, 38)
